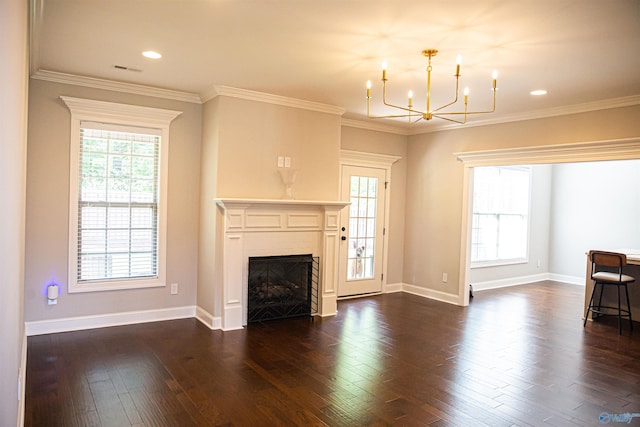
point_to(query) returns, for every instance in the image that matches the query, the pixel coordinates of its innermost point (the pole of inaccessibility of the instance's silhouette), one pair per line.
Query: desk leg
(588, 287)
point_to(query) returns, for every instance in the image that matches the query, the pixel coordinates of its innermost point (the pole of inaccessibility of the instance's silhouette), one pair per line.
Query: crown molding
(625, 101)
(360, 158)
(613, 149)
(35, 24)
(96, 83)
(376, 126)
(233, 92)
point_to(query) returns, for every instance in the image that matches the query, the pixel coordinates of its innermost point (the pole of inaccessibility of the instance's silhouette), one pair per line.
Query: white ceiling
(586, 53)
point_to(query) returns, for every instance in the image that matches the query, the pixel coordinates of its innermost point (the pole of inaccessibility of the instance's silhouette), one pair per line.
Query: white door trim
(379, 161)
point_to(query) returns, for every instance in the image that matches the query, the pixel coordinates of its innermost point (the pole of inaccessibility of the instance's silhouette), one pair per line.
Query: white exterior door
(361, 228)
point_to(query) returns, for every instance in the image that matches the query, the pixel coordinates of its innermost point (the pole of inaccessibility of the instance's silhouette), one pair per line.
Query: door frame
(376, 161)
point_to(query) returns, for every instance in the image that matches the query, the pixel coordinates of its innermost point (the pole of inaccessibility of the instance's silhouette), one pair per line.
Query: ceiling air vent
(125, 68)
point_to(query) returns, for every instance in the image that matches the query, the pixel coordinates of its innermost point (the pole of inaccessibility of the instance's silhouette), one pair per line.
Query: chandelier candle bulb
(466, 95)
(495, 79)
(410, 98)
(458, 62)
(368, 89)
(384, 70)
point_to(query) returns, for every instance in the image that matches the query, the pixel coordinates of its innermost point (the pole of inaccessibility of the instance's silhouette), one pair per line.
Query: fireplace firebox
(282, 286)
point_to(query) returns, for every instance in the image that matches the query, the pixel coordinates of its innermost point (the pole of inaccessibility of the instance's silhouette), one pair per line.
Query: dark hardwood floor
(515, 356)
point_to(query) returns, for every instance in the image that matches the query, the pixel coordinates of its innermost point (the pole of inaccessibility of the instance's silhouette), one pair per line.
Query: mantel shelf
(233, 202)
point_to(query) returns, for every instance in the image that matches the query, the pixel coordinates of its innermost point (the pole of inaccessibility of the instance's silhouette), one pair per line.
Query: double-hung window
(500, 227)
(118, 187)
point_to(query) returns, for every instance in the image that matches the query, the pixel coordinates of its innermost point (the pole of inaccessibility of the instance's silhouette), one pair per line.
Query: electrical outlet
(287, 162)
(445, 277)
(280, 161)
(174, 289)
(539, 263)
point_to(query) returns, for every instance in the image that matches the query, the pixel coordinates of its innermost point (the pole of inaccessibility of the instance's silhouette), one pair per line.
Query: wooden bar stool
(602, 263)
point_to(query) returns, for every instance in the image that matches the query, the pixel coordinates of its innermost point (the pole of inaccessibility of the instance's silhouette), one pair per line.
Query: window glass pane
(143, 191)
(142, 241)
(119, 217)
(117, 241)
(500, 213)
(353, 207)
(362, 189)
(94, 164)
(93, 217)
(362, 227)
(143, 168)
(93, 189)
(142, 217)
(118, 186)
(93, 241)
(118, 190)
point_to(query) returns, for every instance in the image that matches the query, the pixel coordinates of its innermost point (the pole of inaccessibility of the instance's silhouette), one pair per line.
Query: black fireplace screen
(282, 286)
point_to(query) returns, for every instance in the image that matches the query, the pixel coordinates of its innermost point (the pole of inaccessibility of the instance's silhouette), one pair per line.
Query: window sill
(499, 263)
(115, 285)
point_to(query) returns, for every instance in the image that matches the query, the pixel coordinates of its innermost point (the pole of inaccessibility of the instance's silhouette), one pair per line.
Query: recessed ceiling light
(538, 92)
(151, 54)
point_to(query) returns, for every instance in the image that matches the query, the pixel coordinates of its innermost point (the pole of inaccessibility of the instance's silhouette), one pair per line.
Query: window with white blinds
(117, 202)
(500, 227)
(117, 195)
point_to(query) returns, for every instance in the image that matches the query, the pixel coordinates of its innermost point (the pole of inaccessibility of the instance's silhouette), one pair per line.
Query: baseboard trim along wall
(105, 320)
(523, 280)
(212, 322)
(208, 319)
(430, 293)
(392, 287)
(572, 280)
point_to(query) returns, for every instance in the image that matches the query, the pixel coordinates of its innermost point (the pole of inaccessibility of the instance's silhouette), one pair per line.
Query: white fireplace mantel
(223, 202)
(263, 227)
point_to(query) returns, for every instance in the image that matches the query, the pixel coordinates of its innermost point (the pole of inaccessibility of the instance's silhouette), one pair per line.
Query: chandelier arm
(388, 104)
(392, 116)
(452, 102)
(452, 120)
(471, 112)
(421, 117)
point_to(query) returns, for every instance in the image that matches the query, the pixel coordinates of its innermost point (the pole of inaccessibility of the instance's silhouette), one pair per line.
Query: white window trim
(127, 115)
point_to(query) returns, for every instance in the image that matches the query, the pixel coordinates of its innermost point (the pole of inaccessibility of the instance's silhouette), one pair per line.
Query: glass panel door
(362, 231)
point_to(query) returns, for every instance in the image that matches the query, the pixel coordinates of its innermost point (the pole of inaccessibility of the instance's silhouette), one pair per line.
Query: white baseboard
(511, 281)
(105, 320)
(572, 280)
(430, 293)
(393, 287)
(523, 280)
(208, 319)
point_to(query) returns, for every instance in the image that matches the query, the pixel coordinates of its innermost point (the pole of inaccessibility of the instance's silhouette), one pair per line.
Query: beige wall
(48, 204)
(435, 180)
(253, 134)
(208, 296)
(13, 138)
(368, 141)
(241, 142)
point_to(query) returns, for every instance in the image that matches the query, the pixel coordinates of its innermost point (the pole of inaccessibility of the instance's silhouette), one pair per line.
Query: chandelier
(415, 115)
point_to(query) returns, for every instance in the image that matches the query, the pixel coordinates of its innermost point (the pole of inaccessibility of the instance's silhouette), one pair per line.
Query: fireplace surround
(263, 228)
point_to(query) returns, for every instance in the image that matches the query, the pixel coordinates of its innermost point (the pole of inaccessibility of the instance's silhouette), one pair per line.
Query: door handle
(343, 238)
